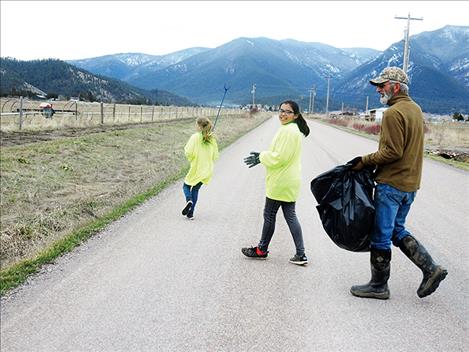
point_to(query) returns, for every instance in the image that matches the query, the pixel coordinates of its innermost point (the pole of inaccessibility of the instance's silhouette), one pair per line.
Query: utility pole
(405, 63)
(21, 112)
(314, 95)
(327, 99)
(366, 106)
(253, 92)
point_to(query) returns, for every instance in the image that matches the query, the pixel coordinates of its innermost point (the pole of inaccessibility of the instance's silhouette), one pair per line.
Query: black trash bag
(346, 209)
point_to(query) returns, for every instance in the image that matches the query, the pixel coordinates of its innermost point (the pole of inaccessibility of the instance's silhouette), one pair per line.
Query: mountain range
(276, 67)
(54, 77)
(280, 69)
(438, 71)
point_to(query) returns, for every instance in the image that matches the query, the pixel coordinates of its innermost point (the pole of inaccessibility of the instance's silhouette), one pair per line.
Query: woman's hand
(252, 159)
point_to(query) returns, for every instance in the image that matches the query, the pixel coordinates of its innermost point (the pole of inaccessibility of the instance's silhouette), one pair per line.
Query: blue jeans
(192, 194)
(391, 207)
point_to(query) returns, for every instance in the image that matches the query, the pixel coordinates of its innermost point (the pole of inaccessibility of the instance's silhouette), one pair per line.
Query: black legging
(270, 213)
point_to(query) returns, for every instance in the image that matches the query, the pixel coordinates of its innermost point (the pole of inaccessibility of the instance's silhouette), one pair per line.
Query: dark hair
(300, 120)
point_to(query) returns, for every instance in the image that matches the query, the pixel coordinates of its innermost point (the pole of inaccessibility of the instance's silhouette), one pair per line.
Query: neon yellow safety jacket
(283, 164)
(201, 156)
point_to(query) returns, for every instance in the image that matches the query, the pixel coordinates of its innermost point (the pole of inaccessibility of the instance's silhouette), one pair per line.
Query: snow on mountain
(438, 69)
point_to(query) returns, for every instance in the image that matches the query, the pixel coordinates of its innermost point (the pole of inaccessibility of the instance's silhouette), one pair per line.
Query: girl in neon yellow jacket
(283, 179)
(201, 151)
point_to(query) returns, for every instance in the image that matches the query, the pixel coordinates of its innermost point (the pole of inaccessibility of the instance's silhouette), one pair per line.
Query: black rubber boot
(433, 274)
(380, 261)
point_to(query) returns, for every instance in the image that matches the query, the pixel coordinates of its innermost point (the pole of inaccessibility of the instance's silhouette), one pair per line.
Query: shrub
(373, 129)
(358, 126)
(458, 116)
(338, 122)
(367, 128)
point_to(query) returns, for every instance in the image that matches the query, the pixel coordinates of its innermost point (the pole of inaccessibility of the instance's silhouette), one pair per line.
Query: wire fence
(23, 114)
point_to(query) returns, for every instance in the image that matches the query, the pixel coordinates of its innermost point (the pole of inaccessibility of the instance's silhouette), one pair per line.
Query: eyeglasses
(288, 112)
(382, 85)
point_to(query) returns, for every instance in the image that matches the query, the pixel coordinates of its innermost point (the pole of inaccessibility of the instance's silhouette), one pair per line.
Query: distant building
(377, 114)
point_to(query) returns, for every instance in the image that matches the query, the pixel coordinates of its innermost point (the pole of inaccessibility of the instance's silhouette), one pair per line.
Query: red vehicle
(46, 110)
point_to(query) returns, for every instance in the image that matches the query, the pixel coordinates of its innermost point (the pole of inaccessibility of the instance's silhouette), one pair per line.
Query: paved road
(155, 281)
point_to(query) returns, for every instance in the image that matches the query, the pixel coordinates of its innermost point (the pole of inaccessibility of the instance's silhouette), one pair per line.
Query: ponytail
(302, 125)
(205, 128)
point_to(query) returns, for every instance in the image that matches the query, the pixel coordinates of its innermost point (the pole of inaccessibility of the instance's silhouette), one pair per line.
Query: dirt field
(8, 139)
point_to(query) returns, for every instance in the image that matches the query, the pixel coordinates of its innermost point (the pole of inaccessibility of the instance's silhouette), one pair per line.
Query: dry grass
(448, 135)
(49, 189)
(445, 135)
(444, 141)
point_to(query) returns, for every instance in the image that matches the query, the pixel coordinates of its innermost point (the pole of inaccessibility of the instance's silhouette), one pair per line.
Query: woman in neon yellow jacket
(283, 179)
(201, 151)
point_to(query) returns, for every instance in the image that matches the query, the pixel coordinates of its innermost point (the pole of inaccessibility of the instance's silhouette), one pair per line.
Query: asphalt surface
(155, 281)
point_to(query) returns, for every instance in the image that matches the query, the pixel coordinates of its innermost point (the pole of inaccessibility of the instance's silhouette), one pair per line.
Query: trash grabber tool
(219, 108)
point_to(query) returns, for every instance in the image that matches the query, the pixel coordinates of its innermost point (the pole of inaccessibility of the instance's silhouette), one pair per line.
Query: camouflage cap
(390, 74)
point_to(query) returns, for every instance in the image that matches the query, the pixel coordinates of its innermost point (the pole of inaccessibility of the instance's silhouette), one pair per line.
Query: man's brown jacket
(400, 153)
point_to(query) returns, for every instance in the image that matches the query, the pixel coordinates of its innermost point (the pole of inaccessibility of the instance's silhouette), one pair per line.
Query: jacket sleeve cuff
(366, 160)
(261, 156)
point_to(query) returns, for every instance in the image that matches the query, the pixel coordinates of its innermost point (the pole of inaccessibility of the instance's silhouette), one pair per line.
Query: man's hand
(356, 163)
(252, 159)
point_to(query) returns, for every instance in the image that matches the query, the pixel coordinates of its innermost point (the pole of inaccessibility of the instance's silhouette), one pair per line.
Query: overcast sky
(83, 29)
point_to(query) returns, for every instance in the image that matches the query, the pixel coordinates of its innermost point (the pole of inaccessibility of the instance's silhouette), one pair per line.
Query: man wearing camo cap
(398, 164)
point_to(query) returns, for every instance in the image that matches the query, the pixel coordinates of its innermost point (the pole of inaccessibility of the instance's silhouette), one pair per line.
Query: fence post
(76, 110)
(129, 112)
(21, 112)
(114, 112)
(152, 113)
(102, 113)
(141, 113)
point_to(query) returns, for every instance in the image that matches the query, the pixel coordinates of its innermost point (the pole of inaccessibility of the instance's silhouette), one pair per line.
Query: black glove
(356, 164)
(252, 159)
(354, 161)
